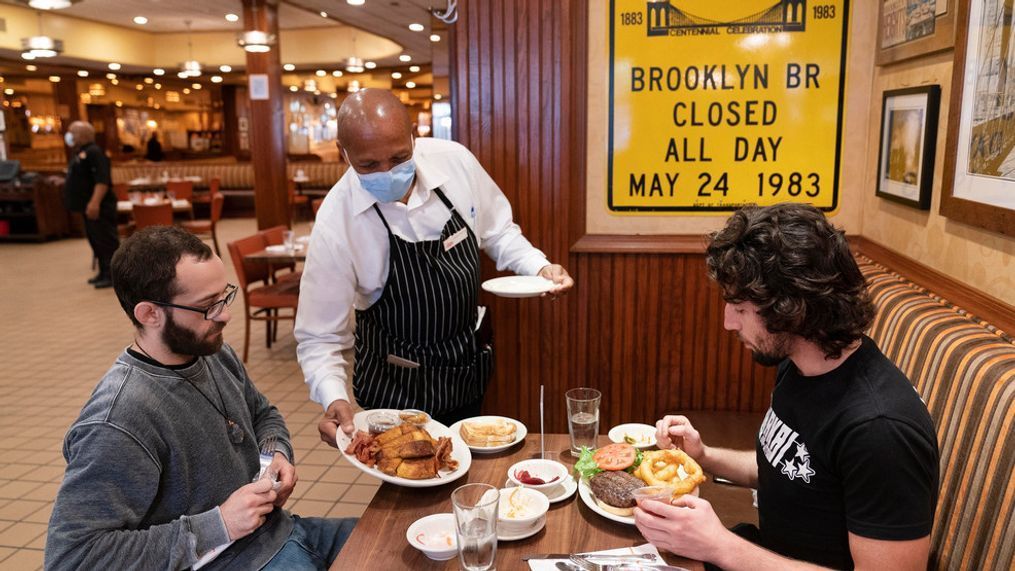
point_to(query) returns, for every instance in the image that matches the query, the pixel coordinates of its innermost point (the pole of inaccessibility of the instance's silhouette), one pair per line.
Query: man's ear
(149, 314)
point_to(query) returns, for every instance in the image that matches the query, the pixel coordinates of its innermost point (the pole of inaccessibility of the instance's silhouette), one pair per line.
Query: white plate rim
(524, 534)
(569, 490)
(459, 451)
(585, 492)
(537, 288)
(520, 433)
(637, 424)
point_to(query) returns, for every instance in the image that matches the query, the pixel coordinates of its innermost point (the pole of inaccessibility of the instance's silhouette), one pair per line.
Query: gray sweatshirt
(149, 460)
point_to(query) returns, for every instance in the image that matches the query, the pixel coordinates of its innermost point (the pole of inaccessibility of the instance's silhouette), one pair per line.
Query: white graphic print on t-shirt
(776, 439)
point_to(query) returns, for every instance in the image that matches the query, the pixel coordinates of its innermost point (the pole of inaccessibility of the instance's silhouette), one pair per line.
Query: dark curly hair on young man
(790, 261)
(144, 266)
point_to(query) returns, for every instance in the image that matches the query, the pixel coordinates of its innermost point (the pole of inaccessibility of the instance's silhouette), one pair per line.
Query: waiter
(86, 190)
(397, 242)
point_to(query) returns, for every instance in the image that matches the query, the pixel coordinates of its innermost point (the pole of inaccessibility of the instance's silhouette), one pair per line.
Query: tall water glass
(583, 417)
(289, 240)
(476, 525)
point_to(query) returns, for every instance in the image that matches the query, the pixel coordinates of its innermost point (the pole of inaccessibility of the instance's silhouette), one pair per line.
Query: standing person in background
(398, 240)
(153, 151)
(87, 190)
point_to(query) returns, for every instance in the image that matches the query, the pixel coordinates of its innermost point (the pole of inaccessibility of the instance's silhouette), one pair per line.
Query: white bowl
(521, 509)
(545, 470)
(434, 530)
(644, 435)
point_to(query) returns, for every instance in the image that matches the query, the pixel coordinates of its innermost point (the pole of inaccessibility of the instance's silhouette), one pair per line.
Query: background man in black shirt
(87, 190)
(846, 460)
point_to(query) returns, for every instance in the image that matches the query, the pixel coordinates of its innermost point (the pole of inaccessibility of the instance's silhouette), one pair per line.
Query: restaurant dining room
(588, 285)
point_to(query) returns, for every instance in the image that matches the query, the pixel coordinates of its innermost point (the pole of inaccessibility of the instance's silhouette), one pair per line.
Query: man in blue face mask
(392, 273)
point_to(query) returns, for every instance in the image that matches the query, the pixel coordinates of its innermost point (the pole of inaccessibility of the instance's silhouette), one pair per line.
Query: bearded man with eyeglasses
(177, 460)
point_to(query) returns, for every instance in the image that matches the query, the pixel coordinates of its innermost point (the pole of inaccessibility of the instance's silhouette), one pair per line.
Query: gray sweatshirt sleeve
(109, 486)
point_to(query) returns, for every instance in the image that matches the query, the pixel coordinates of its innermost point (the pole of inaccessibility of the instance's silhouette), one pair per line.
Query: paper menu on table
(551, 564)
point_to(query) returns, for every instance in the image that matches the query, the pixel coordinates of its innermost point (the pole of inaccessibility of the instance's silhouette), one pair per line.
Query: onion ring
(661, 468)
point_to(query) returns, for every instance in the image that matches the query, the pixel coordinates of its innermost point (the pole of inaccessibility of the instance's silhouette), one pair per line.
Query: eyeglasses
(213, 310)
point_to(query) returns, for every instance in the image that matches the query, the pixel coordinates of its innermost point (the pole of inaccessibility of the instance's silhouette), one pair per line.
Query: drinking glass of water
(289, 240)
(583, 417)
(476, 525)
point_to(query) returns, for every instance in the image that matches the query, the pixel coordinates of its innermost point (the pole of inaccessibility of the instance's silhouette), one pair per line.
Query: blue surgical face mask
(391, 185)
(68, 138)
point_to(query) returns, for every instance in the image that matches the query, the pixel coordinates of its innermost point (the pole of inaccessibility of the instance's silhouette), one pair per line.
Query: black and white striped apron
(426, 315)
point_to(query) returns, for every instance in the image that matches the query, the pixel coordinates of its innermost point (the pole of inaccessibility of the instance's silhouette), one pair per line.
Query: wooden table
(264, 256)
(378, 542)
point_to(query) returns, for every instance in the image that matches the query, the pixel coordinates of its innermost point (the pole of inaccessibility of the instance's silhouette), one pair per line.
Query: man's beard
(183, 341)
(775, 351)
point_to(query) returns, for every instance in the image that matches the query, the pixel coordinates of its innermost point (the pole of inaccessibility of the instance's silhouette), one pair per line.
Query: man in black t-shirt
(846, 459)
(87, 190)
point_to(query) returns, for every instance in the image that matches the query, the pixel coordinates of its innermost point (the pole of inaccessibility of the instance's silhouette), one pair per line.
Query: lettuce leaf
(586, 466)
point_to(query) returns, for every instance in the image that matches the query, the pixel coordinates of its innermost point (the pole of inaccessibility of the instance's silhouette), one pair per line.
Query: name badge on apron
(456, 239)
(400, 362)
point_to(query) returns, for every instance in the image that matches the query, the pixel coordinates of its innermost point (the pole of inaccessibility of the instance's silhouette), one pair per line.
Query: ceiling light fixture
(435, 38)
(51, 4)
(294, 88)
(149, 80)
(159, 71)
(54, 78)
(216, 79)
(195, 85)
(396, 75)
(232, 18)
(337, 73)
(256, 41)
(416, 27)
(354, 65)
(437, 96)
(353, 86)
(414, 68)
(110, 76)
(41, 46)
(140, 20)
(182, 74)
(355, 2)
(405, 57)
(114, 81)
(324, 14)
(191, 67)
(82, 73)
(370, 65)
(31, 67)
(320, 73)
(186, 91)
(289, 67)
(225, 68)
(158, 86)
(410, 84)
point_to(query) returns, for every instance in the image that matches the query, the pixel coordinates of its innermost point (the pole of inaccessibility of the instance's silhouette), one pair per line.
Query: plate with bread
(489, 434)
(613, 477)
(407, 448)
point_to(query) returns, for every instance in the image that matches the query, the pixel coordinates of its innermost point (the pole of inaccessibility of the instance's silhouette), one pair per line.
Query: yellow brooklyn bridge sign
(719, 104)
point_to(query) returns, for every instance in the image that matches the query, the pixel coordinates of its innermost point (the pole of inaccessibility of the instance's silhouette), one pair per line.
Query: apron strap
(385, 222)
(444, 199)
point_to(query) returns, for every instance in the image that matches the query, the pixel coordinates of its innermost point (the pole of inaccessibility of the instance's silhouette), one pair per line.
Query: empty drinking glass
(583, 417)
(289, 239)
(475, 508)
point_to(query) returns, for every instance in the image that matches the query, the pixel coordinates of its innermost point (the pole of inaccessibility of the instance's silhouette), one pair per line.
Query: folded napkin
(550, 564)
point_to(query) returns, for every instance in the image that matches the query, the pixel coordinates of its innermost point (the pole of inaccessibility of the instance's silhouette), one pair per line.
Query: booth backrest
(964, 368)
(234, 176)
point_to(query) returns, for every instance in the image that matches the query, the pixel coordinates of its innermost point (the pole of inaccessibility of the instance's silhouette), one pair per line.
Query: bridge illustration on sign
(665, 19)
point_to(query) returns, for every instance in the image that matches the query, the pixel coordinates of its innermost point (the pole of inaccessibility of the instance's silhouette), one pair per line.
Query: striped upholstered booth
(964, 368)
(233, 176)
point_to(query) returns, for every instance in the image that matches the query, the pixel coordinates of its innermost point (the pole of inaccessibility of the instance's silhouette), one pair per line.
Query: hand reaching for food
(676, 431)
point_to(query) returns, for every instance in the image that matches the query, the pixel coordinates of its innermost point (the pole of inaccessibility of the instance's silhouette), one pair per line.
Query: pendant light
(41, 46)
(191, 67)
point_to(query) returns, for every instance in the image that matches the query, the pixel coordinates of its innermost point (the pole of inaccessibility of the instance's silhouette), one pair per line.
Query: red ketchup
(524, 477)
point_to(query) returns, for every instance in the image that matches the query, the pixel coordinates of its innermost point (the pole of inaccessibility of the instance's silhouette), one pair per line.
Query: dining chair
(261, 303)
(272, 237)
(146, 215)
(214, 185)
(180, 189)
(121, 190)
(206, 227)
(296, 201)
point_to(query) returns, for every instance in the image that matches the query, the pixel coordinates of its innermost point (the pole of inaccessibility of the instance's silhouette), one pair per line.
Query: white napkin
(550, 564)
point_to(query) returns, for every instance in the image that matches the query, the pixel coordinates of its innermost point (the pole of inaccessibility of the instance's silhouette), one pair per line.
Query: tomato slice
(615, 457)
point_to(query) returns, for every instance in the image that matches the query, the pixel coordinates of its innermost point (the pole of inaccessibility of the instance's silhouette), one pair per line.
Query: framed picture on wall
(978, 186)
(911, 28)
(908, 141)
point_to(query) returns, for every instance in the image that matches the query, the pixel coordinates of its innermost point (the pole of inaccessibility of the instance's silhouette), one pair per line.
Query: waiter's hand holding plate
(552, 281)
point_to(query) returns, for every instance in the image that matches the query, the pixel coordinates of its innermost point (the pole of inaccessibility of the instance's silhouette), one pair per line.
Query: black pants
(102, 236)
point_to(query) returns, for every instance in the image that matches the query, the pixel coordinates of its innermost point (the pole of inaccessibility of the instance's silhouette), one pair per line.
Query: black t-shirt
(853, 450)
(88, 166)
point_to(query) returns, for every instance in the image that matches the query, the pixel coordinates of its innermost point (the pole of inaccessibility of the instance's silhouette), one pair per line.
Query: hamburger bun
(483, 433)
(623, 512)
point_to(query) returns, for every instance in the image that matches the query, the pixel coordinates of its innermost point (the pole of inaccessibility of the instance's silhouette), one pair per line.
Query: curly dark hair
(797, 268)
(144, 266)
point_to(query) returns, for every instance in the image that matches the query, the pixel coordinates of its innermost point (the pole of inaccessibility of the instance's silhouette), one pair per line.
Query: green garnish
(586, 466)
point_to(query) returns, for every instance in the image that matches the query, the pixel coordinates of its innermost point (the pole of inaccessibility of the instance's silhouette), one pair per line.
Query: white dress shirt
(347, 260)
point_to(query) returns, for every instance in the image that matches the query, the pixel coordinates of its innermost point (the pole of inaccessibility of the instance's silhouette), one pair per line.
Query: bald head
(375, 130)
(83, 132)
(369, 111)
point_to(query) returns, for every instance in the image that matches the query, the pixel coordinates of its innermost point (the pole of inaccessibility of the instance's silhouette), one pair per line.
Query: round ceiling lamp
(51, 4)
(256, 41)
(40, 46)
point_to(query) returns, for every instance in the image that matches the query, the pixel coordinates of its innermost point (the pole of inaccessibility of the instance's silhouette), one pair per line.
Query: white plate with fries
(459, 452)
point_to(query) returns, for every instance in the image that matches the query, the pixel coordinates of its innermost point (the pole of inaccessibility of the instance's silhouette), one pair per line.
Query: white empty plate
(518, 286)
